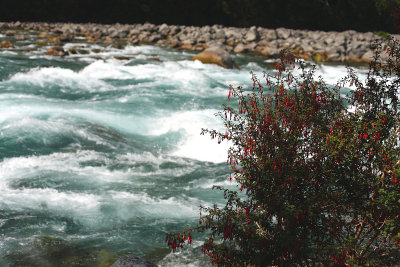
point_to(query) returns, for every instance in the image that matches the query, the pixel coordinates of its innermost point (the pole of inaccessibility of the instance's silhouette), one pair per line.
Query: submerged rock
(132, 261)
(216, 55)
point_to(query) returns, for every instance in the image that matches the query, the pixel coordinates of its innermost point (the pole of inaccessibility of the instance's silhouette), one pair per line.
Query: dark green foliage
(321, 182)
(339, 15)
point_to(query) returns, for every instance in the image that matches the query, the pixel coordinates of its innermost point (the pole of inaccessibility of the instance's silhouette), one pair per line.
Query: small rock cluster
(348, 46)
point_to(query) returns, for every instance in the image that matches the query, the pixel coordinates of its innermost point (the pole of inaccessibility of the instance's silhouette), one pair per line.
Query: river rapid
(101, 152)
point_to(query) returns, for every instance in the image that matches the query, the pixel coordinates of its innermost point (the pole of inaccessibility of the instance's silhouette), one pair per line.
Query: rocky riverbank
(348, 46)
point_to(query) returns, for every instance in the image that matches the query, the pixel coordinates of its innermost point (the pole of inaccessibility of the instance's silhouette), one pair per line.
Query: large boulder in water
(132, 261)
(216, 55)
(56, 51)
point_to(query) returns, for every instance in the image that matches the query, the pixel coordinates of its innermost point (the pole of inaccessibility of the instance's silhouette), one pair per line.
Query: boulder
(252, 35)
(132, 261)
(6, 44)
(163, 28)
(216, 55)
(56, 51)
(240, 48)
(220, 34)
(368, 56)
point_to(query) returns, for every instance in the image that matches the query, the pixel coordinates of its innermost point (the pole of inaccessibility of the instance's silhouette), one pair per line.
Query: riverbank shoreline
(318, 46)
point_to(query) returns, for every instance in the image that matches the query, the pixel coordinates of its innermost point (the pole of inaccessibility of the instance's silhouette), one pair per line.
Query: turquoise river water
(101, 153)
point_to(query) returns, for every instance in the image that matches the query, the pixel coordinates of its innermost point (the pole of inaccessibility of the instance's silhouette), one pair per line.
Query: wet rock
(216, 55)
(19, 37)
(72, 51)
(132, 261)
(65, 38)
(107, 40)
(41, 43)
(6, 44)
(56, 51)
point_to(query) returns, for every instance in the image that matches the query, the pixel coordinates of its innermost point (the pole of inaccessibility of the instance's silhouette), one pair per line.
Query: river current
(101, 152)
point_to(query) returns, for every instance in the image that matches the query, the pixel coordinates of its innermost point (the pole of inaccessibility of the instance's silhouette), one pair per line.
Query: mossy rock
(319, 57)
(41, 43)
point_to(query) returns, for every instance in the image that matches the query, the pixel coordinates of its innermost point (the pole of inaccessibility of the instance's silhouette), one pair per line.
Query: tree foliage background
(339, 15)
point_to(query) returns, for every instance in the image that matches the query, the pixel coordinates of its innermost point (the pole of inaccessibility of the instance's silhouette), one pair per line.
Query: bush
(318, 173)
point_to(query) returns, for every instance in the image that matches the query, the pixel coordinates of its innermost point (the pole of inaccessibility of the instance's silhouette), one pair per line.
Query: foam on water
(193, 145)
(55, 76)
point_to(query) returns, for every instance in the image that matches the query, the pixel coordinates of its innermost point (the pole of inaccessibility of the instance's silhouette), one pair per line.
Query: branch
(360, 228)
(262, 232)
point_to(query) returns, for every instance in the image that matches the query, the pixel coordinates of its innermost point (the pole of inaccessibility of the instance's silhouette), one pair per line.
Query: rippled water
(101, 153)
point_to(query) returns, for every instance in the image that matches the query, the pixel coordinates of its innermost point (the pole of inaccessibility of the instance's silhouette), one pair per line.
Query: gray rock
(132, 261)
(269, 35)
(220, 34)
(283, 33)
(163, 28)
(233, 34)
(252, 35)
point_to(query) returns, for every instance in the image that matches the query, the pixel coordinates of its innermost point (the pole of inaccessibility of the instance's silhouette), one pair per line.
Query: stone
(270, 52)
(163, 28)
(240, 48)
(252, 35)
(17, 24)
(132, 261)
(6, 44)
(220, 34)
(56, 51)
(216, 55)
(19, 37)
(367, 56)
(44, 35)
(283, 33)
(9, 33)
(233, 33)
(65, 38)
(269, 35)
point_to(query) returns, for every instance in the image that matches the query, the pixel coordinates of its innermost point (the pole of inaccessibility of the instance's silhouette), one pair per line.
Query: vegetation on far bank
(338, 15)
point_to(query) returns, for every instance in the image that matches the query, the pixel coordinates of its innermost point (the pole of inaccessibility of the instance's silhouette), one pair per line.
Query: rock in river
(216, 55)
